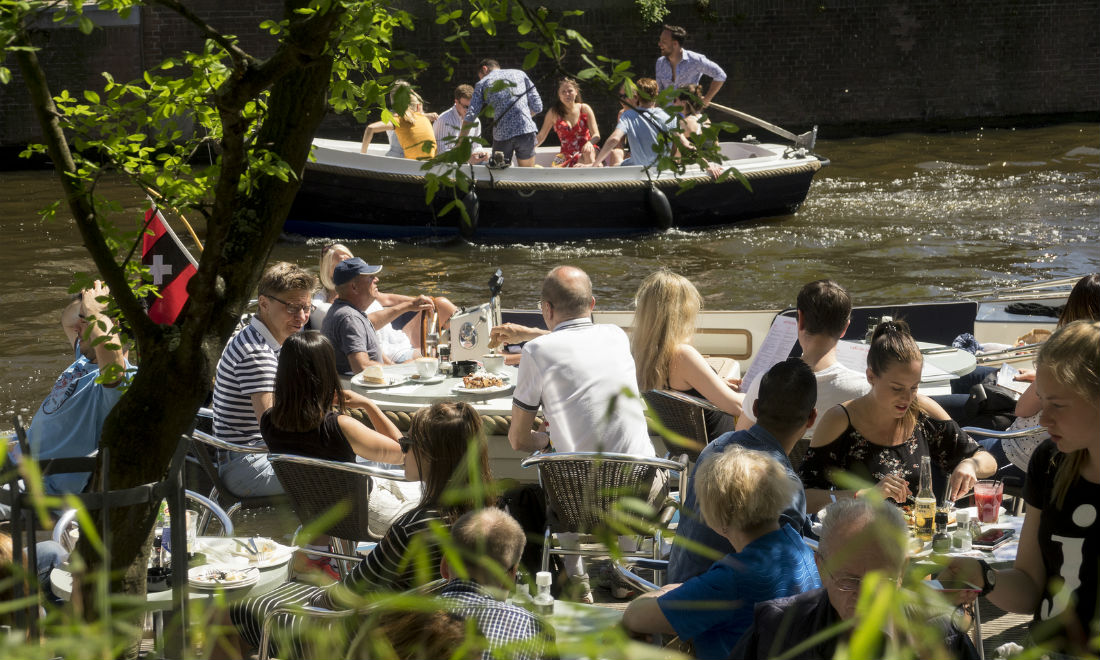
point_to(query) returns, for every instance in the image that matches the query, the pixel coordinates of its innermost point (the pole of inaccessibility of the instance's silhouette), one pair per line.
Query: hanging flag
(171, 266)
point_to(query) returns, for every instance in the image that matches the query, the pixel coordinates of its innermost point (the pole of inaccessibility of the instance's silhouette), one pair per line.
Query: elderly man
(785, 410)
(515, 102)
(449, 126)
(347, 325)
(858, 537)
(679, 67)
(641, 123)
(245, 383)
(824, 310)
(489, 543)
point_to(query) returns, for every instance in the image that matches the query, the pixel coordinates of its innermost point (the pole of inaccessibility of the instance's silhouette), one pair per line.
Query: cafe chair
(1012, 487)
(315, 486)
(684, 415)
(316, 617)
(67, 521)
(583, 488)
(204, 448)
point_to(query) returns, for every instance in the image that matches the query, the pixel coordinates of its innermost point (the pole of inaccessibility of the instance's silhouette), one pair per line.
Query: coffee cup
(493, 363)
(426, 367)
(461, 368)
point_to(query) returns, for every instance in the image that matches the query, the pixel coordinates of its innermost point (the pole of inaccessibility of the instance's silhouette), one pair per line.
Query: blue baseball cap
(349, 269)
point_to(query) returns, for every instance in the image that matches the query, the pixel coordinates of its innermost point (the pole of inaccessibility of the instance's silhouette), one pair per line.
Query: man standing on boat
(515, 102)
(449, 126)
(679, 67)
(245, 384)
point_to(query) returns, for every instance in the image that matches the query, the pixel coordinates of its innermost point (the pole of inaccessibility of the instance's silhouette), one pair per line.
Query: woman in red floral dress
(575, 124)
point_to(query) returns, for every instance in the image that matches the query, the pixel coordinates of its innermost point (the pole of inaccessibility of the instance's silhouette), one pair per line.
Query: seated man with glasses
(245, 382)
(858, 537)
(449, 126)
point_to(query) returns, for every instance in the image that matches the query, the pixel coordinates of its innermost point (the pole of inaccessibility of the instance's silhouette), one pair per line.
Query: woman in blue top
(741, 492)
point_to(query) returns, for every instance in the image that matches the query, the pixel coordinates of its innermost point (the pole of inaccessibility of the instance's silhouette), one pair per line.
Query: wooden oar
(806, 140)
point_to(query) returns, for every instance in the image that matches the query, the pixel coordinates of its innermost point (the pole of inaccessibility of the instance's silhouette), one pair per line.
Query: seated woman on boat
(883, 435)
(1013, 454)
(302, 419)
(413, 128)
(408, 555)
(386, 310)
(575, 124)
(1054, 577)
(667, 305)
(691, 122)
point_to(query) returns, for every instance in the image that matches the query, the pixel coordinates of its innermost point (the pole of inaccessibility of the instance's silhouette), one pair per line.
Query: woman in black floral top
(881, 436)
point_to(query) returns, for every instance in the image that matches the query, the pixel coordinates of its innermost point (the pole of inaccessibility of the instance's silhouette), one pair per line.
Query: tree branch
(241, 58)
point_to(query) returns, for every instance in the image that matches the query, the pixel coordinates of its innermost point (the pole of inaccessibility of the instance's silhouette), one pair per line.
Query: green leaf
(531, 59)
(5, 75)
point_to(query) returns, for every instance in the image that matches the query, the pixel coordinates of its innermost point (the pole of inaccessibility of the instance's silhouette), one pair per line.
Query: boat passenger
(679, 67)
(691, 122)
(858, 538)
(575, 125)
(515, 102)
(741, 492)
(395, 316)
(302, 420)
(882, 436)
(666, 307)
(642, 123)
(1054, 577)
(413, 128)
(786, 409)
(437, 443)
(449, 126)
(824, 310)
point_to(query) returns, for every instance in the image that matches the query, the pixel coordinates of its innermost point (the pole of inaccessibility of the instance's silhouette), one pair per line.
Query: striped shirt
(247, 367)
(517, 633)
(691, 68)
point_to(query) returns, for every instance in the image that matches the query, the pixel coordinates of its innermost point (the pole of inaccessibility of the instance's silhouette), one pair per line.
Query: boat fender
(660, 208)
(467, 229)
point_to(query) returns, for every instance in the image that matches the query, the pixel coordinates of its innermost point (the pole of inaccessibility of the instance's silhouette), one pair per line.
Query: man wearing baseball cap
(346, 325)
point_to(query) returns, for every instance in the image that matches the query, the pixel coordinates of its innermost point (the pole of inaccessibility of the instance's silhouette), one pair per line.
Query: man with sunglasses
(449, 126)
(245, 382)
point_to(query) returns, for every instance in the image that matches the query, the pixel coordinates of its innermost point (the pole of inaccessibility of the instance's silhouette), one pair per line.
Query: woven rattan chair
(315, 486)
(582, 488)
(684, 415)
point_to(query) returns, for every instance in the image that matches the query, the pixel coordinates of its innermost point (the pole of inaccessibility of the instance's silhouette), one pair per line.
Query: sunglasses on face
(293, 309)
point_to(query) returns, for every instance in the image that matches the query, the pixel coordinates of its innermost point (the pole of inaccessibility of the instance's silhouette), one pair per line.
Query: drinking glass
(987, 499)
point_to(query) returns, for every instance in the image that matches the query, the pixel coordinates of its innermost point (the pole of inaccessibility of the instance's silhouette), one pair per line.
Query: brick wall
(838, 63)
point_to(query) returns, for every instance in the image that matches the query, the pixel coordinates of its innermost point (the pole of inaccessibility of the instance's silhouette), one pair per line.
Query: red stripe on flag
(156, 225)
(172, 299)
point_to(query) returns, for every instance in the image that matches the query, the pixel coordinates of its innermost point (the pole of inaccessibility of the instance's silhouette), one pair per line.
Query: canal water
(904, 217)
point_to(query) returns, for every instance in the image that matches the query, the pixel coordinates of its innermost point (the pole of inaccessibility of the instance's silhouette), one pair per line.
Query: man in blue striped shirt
(679, 67)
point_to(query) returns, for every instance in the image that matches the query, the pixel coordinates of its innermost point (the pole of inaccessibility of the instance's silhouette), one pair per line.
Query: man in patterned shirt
(490, 543)
(515, 102)
(679, 67)
(245, 383)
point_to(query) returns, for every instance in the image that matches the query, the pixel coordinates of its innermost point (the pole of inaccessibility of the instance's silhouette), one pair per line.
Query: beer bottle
(924, 512)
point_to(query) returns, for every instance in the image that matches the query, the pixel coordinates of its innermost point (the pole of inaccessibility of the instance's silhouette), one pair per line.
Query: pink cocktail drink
(987, 498)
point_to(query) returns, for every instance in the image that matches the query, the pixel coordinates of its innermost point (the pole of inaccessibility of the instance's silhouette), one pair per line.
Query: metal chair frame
(594, 496)
(1017, 492)
(352, 481)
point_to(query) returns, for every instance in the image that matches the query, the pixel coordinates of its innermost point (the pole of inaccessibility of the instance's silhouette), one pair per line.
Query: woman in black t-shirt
(308, 418)
(1055, 574)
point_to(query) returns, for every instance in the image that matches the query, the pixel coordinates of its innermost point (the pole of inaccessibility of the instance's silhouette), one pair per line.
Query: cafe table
(409, 395)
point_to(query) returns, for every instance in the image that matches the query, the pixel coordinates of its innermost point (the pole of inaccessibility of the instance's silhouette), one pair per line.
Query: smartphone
(952, 585)
(993, 538)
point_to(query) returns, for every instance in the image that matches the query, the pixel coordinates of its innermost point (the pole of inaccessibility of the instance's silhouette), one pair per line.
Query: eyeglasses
(293, 309)
(326, 249)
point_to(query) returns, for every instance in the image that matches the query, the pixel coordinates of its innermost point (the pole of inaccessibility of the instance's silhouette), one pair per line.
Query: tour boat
(347, 194)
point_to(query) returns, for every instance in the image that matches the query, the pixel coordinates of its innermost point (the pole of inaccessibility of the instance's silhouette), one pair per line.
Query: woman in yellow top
(413, 129)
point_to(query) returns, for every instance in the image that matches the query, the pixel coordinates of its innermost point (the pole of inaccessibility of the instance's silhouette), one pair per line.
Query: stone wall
(843, 64)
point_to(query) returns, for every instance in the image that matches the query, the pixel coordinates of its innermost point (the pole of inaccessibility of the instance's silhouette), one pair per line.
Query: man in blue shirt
(784, 410)
(679, 67)
(515, 102)
(641, 123)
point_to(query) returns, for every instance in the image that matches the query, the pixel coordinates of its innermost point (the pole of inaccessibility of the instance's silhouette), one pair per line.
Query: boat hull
(343, 198)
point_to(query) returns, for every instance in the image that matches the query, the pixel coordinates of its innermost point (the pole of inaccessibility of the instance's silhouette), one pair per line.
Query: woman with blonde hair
(883, 435)
(413, 128)
(666, 306)
(1054, 577)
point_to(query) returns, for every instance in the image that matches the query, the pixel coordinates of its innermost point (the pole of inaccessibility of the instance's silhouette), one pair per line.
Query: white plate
(481, 390)
(416, 379)
(221, 576)
(391, 381)
(271, 553)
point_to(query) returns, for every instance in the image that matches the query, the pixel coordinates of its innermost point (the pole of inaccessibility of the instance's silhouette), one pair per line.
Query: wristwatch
(989, 577)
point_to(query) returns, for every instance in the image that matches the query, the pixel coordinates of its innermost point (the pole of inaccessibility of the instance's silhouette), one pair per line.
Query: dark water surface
(897, 218)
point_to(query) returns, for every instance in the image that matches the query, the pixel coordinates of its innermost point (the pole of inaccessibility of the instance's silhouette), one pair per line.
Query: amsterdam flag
(171, 266)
